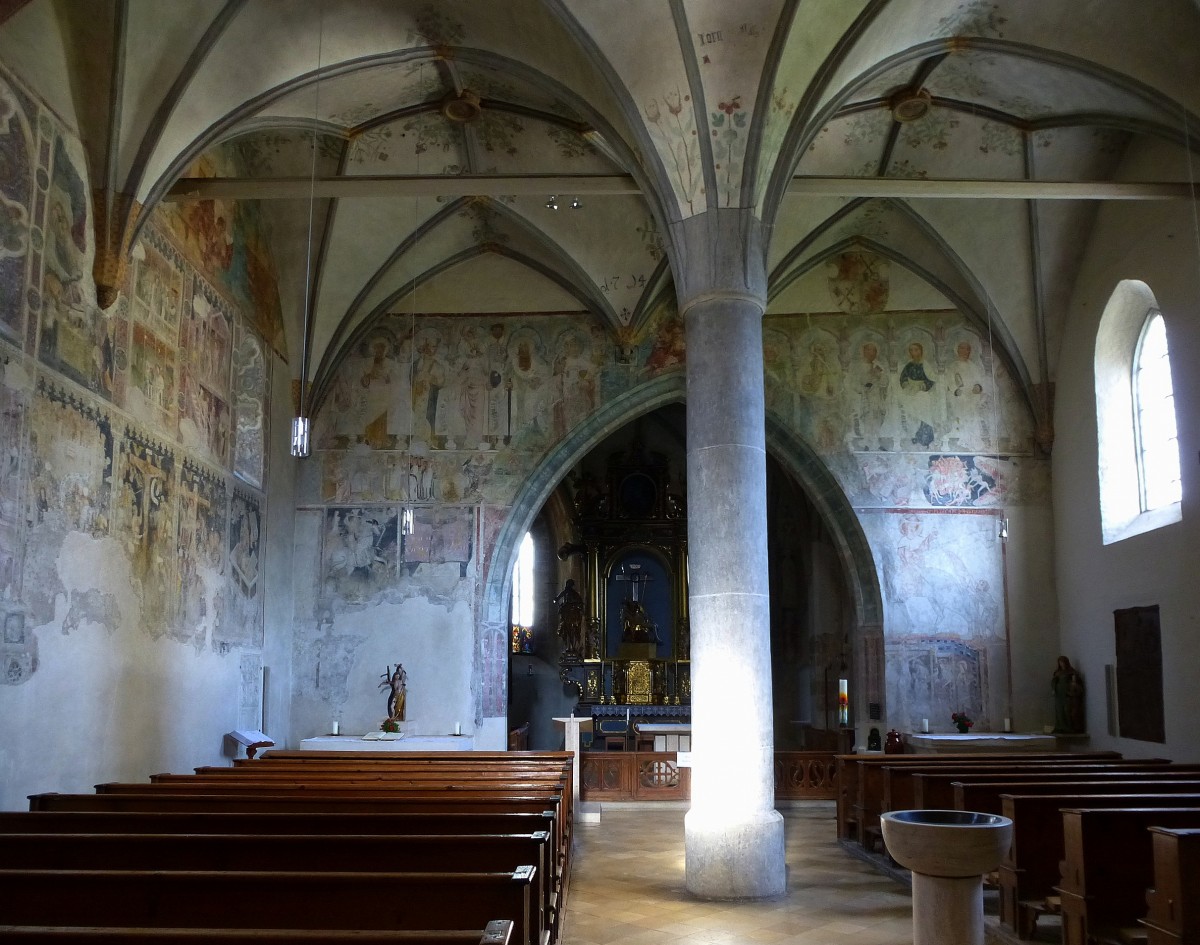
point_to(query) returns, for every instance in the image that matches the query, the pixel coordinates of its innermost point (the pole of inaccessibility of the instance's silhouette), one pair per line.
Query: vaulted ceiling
(415, 146)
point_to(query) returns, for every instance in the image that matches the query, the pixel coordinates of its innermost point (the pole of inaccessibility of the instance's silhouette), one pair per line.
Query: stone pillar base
(729, 858)
(947, 910)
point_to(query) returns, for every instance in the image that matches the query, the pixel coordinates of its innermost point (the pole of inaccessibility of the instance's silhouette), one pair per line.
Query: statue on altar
(396, 683)
(571, 619)
(636, 625)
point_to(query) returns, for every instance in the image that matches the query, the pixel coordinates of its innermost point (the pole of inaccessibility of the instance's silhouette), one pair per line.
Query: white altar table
(668, 736)
(407, 743)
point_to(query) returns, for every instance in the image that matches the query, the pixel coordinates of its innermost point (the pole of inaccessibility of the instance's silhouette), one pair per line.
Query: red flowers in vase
(962, 721)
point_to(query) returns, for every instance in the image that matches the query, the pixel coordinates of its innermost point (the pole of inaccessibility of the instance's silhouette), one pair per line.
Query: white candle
(924, 725)
(458, 728)
(335, 728)
(1008, 725)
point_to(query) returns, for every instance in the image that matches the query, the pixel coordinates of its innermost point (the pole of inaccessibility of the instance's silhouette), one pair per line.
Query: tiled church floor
(627, 889)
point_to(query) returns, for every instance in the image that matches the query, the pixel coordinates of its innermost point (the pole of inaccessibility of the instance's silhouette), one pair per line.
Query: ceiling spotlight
(552, 203)
(576, 203)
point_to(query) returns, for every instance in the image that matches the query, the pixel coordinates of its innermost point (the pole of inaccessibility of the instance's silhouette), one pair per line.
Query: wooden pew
(279, 853)
(1031, 868)
(901, 785)
(866, 777)
(266, 900)
(985, 796)
(496, 932)
(1108, 866)
(269, 823)
(935, 790)
(312, 803)
(395, 831)
(1173, 917)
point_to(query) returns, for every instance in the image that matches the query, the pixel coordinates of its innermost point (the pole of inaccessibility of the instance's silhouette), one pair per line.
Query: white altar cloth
(407, 743)
(983, 741)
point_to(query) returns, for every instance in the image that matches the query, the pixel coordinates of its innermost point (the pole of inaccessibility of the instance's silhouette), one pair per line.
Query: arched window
(1138, 448)
(522, 598)
(1155, 431)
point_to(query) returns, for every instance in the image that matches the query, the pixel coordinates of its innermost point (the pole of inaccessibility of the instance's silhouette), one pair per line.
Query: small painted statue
(396, 683)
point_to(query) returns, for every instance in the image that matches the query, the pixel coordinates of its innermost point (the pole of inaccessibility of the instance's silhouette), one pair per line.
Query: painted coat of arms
(858, 282)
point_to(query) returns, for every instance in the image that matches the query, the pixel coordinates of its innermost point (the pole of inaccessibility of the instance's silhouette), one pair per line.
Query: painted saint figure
(918, 410)
(968, 398)
(867, 385)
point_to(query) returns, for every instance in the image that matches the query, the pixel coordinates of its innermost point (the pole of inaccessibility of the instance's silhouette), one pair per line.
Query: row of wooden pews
(321, 847)
(1084, 834)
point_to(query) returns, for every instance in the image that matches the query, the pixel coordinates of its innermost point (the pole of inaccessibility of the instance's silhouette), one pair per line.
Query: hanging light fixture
(301, 424)
(552, 203)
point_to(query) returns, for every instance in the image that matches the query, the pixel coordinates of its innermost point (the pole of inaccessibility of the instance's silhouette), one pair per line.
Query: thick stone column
(733, 835)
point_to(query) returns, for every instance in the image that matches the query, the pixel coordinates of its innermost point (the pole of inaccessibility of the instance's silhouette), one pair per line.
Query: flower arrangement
(390, 725)
(962, 720)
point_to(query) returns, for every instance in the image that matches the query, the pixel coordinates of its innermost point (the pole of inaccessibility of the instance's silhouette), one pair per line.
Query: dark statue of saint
(1067, 684)
(571, 619)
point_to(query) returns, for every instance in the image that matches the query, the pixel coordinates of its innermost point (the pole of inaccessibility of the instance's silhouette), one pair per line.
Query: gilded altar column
(734, 840)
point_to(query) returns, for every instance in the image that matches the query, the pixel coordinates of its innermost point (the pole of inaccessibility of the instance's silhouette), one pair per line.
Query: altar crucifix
(636, 625)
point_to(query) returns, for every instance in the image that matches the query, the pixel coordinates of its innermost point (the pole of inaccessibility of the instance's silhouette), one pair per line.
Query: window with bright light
(1138, 447)
(1155, 429)
(523, 598)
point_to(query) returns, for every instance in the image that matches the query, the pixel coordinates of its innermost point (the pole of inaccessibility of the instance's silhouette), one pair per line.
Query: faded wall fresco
(119, 430)
(228, 241)
(918, 421)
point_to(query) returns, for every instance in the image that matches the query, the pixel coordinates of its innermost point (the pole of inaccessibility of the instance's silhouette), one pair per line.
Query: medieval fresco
(228, 240)
(206, 351)
(76, 339)
(144, 507)
(14, 408)
(912, 412)
(249, 387)
(18, 120)
(359, 555)
(68, 486)
(922, 384)
(243, 623)
(203, 510)
(945, 638)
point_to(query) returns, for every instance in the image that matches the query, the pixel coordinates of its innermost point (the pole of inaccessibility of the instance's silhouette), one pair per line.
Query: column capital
(720, 256)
